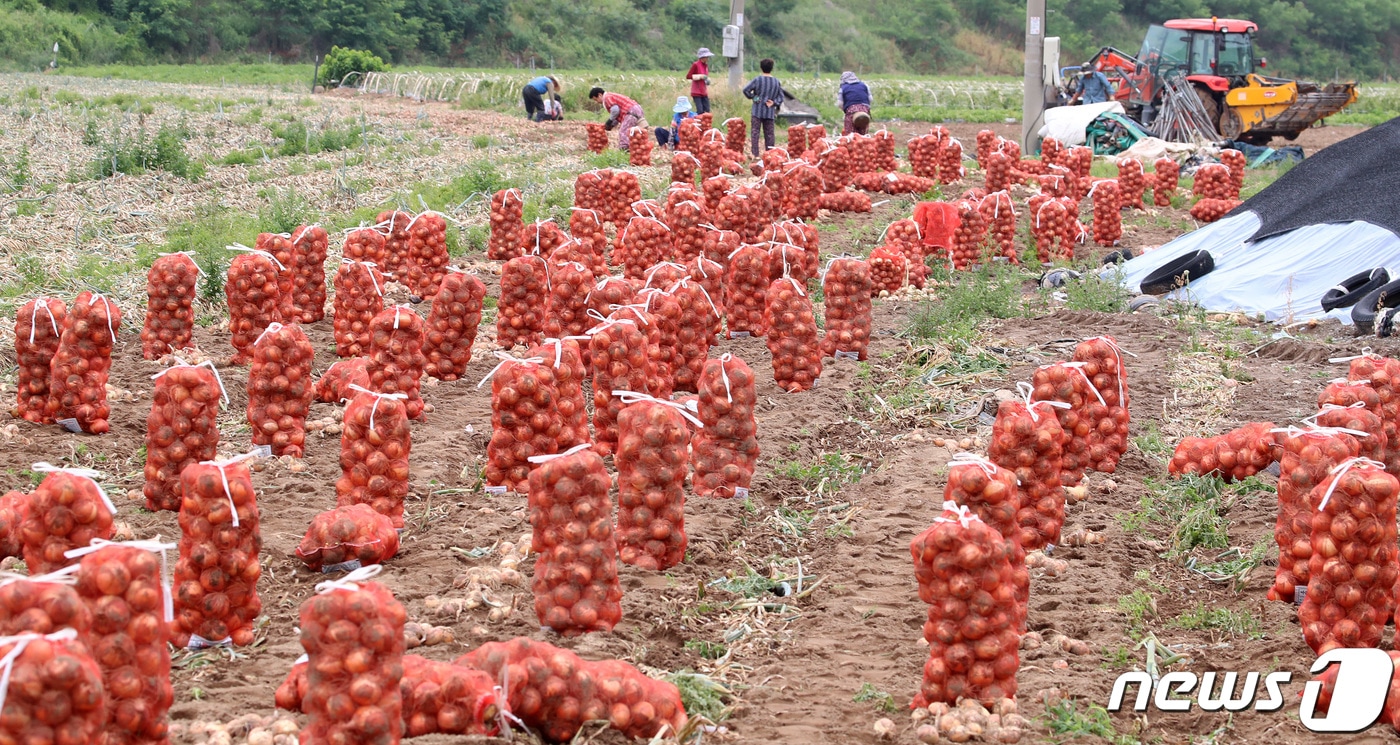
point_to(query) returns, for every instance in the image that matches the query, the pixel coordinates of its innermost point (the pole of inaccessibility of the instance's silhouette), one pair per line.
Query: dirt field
(848, 476)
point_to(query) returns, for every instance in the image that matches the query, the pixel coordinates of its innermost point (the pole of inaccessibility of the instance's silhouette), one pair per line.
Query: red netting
(1028, 440)
(1308, 457)
(396, 355)
(78, 371)
(359, 296)
(170, 288)
(1210, 210)
(216, 575)
(575, 579)
(644, 242)
(525, 420)
(746, 286)
(311, 244)
(970, 237)
(709, 274)
(66, 511)
(374, 449)
(280, 389)
(279, 246)
(365, 244)
(792, 336)
(14, 508)
(797, 139)
(427, 253)
(846, 286)
(586, 228)
(1131, 183)
(524, 303)
(725, 451)
(620, 363)
(699, 319)
(990, 492)
(664, 312)
(685, 218)
(446, 698)
(1165, 181)
(1066, 382)
(802, 190)
(182, 429)
(1000, 213)
(950, 167)
(541, 237)
(55, 692)
(353, 533)
(507, 209)
(1235, 161)
(652, 457)
(334, 384)
(452, 324)
(1103, 363)
(38, 326)
(396, 253)
(565, 356)
(253, 302)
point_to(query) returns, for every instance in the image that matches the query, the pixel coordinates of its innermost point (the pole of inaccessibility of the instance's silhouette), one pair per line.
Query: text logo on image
(1358, 697)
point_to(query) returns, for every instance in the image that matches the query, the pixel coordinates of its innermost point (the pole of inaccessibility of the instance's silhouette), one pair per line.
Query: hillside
(1315, 38)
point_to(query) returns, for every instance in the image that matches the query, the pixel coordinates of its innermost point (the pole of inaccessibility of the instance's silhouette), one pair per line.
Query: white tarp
(1282, 277)
(1067, 123)
(1149, 149)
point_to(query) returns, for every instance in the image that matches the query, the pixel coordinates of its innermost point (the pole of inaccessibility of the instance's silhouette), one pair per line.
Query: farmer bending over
(622, 111)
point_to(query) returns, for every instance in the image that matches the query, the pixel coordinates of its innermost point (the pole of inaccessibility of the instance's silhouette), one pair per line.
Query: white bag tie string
(369, 267)
(1340, 470)
(963, 516)
(506, 359)
(107, 304)
(189, 256)
(1293, 431)
(1118, 353)
(632, 397)
(378, 396)
(1026, 390)
(651, 273)
(684, 282)
(1079, 367)
(84, 473)
(1366, 353)
(258, 251)
(700, 265)
(973, 459)
(63, 576)
(724, 375)
(275, 326)
(350, 582)
(795, 285)
(551, 456)
(20, 642)
(303, 230)
(637, 312)
(223, 475)
(1345, 381)
(154, 546)
(223, 393)
(558, 349)
(42, 302)
(1311, 420)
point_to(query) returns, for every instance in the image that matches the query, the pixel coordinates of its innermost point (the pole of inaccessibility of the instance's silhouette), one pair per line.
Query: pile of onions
(989, 491)
(700, 317)
(66, 511)
(566, 358)
(663, 313)
(1080, 161)
(14, 508)
(507, 209)
(440, 697)
(310, 244)
(586, 228)
(711, 156)
(837, 169)
(1382, 445)
(1048, 220)
(883, 151)
(1103, 364)
(597, 136)
(1000, 213)
(541, 237)
(797, 139)
(846, 285)
(888, 269)
(688, 135)
(575, 579)
(253, 301)
(55, 690)
(1235, 161)
(774, 190)
(685, 219)
(652, 459)
(644, 242)
(1165, 181)
(38, 327)
(1052, 152)
(923, 155)
(359, 296)
(334, 384)
(709, 275)
(746, 286)
(684, 164)
(965, 575)
(621, 190)
(970, 236)
(714, 188)
(182, 429)
(1375, 445)
(743, 211)
(279, 247)
(987, 142)
(1213, 181)
(1233, 456)
(216, 575)
(1210, 210)
(610, 291)
(396, 355)
(802, 190)
(792, 336)
(1108, 221)
(525, 420)
(620, 361)
(569, 286)
(736, 134)
(280, 389)
(1027, 439)
(397, 259)
(374, 449)
(170, 288)
(997, 168)
(124, 585)
(1308, 457)
(352, 631)
(524, 302)
(425, 259)
(1353, 567)
(365, 244)
(79, 369)
(1384, 375)
(845, 201)
(725, 451)
(1067, 383)
(451, 325)
(588, 190)
(1131, 182)
(950, 167)
(639, 147)
(347, 538)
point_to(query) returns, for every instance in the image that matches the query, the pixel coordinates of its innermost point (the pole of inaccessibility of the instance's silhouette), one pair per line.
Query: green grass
(1066, 722)
(273, 74)
(1091, 292)
(831, 471)
(708, 650)
(1221, 623)
(701, 695)
(1194, 509)
(1137, 607)
(868, 693)
(137, 153)
(989, 291)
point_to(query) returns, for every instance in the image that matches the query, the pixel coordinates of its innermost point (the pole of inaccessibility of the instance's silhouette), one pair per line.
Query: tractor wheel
(1210, 103)
(1230, 125)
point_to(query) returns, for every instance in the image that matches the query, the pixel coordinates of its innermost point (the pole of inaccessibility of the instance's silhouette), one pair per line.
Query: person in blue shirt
(1093, 86)
(540, 96)
(668, 137)
(853, 99)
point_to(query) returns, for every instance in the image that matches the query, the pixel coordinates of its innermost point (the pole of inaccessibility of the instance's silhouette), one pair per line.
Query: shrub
(340, 62)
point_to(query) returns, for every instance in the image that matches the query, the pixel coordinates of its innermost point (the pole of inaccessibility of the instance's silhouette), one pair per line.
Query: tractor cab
(1216, 53)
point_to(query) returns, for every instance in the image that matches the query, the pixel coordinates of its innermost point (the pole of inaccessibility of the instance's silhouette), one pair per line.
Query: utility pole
(1033, 97)
(736, 62)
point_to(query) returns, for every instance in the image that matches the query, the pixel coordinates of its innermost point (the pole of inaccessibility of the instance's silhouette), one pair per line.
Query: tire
(1143, 302)
(1210, 103)
(1355, 287)
(1118, 257)
(1230, 124)
(1057, 278)
(1179, 273)
(1363, 314)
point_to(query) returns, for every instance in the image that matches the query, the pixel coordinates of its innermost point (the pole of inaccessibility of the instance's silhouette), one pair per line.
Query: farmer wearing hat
(669, 137)
(853, 99)
(699, 77)
(1093, 86)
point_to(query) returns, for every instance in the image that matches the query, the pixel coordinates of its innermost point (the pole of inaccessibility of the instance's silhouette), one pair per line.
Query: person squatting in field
(623, 113)
(667, 137)
(853, 99)
(541, 97)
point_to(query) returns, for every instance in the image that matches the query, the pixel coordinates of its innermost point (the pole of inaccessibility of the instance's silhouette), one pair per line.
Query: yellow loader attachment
(1270, 107)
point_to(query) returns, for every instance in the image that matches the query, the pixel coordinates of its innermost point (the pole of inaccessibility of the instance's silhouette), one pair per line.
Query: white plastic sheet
(1282, 277)
(1067, 123)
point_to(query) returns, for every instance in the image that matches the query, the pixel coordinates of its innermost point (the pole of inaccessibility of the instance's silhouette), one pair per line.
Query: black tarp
(1357, 179)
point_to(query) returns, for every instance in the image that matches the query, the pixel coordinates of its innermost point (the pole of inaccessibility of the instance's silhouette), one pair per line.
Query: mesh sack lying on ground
(354, 534)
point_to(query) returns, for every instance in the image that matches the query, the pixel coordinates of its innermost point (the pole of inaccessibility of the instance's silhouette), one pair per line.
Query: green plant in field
(1066, 722)
(868, 693)
(1151, 442)
(1137, 607)
(15, 175)
(1220, 622)
(610, 158)
(285, 211)
(702, 695)
(141, 153)
(708, 650)
(1092, 292)
(990, 291)
(340, 62)
(829, 472)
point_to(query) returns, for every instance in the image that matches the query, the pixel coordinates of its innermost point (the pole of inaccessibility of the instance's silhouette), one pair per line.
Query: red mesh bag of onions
(1233, 456)
(802, 190)
(745, 211)
(1213, 181)
(396, 355)
(575, 584)
(639, 151)
(711, 154)
(38, 327)
(427, 259)
(609, 292)
(280, 389)
(904, 236)
(923, 156)
(44, 603)
(989, 491)
(359, 296)
(347, 538)
(1390, 712)
(14, 508)
(398, 260)
(684, 164)
(446, 698)
(597, 136)
(622, 189)
(1308, 456)
(54, 691)
(1384, 443)
(792, 336)
(620, 362)
(588, 190)
(79, 368)
(253, 299)
(1048, 222)
(569, 286)
(1353, 567)
(653, 450)
(507, 209)
(1067, 383)
(663, 318)
(352, 631)
(310, 244)
(1103, 364)
(663, 275)
(736, 134)
(1374, 446)
(970, 236)
(334, 384)
(746, 286)
(279, 246)
(966, 578)
(709, 274)
(719, 244)
(452, 324)
(714, 188)
(837, 170)
(66, 511)
(888, 269)
(182, 429)
(694, 332)
(950, 167)
(1132, 182)
(374, 449)
(1210, 210)
(364, 244)
(686, 218)
(797, 139)
(524, 301)
(987, 142)
(566, 357)
(124, 584)
(1235, 161)
(786, 260)
(799, 235)
(997, 168)
(644, 242)
(1000, 213)
(216, 575)
(1165, 181)
(659, 356)
(541, 237)
(525, 420)
(1028, 440)
(846, 285)
(725, 451)
(1384, 374)
(170, 288)
(586, 228)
